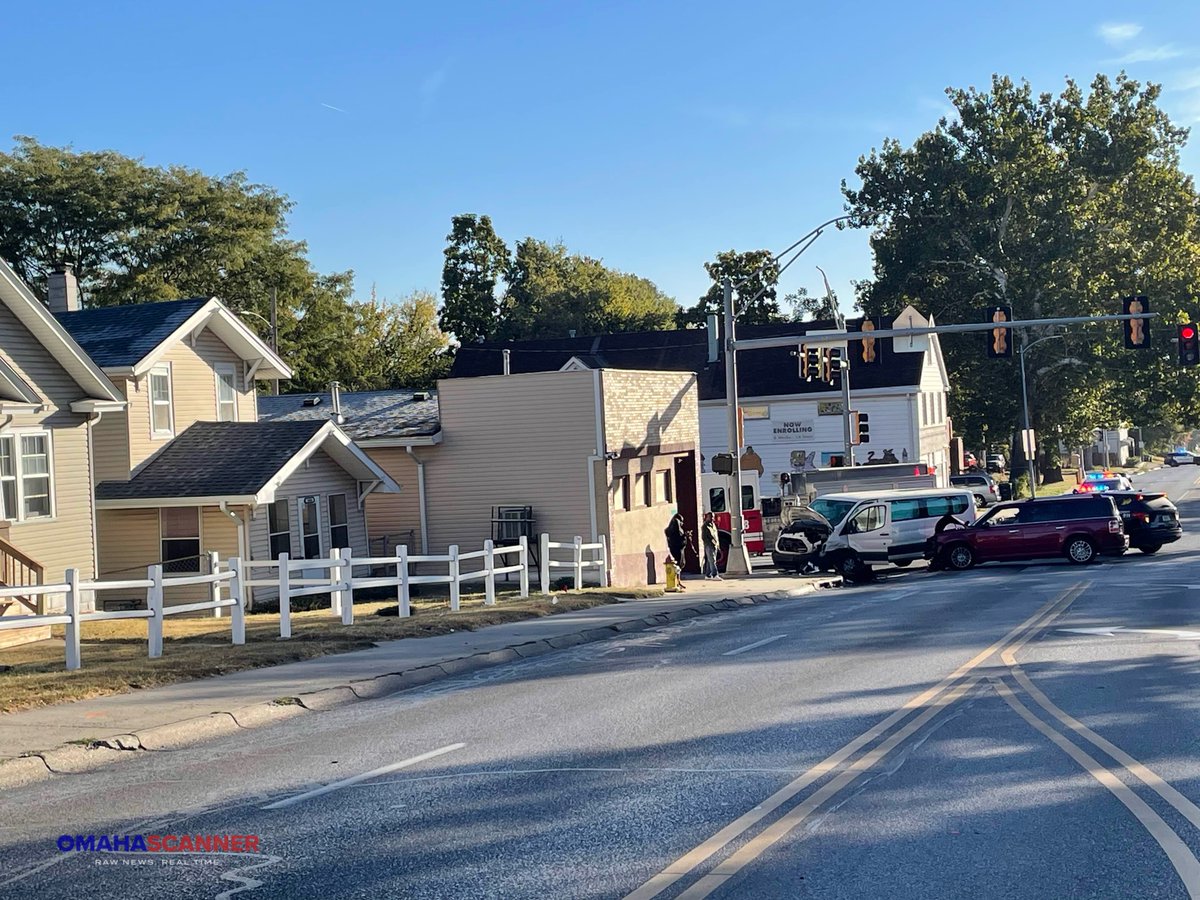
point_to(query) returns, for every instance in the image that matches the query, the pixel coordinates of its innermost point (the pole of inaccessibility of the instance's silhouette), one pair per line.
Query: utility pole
(737, 561)
(274, 334)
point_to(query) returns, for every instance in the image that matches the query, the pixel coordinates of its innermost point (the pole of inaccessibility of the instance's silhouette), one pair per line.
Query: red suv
(1079, 528)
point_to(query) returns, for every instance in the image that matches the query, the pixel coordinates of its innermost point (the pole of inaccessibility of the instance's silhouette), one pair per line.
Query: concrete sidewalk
(183, 713)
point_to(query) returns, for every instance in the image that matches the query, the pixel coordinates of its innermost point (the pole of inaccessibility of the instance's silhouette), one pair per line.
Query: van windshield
(833, 510)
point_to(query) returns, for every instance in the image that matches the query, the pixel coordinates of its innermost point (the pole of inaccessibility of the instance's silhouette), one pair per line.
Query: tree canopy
(755, 276)
(1056, 206)
(138, 233)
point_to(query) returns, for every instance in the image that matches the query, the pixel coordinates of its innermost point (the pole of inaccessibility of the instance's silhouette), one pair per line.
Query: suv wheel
(960, 557)
(980, 501)
(1151, 548)
(1080, 550)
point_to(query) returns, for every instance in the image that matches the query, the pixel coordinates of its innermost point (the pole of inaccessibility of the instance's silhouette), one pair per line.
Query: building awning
(239, 463)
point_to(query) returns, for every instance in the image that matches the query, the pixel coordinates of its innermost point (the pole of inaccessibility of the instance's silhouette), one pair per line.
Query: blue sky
(651, 135)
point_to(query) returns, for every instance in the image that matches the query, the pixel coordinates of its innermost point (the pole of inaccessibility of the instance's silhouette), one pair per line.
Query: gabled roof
(761, 373)
(238, 462)
(121, 336)
(372, 418)
(130, 339)
(98, 391)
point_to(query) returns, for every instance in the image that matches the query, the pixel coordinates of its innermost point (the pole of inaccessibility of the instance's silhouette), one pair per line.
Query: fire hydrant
(674, 585)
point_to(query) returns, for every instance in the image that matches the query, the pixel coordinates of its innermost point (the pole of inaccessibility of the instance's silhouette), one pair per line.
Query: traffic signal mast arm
(835, 337)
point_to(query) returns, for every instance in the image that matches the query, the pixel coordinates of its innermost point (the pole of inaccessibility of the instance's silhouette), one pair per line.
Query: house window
(26, 483)
(162, 417)
(644, 488)
(310, 527)
(226, 394)
(279, 524)
(179, 528)
(663, 492)
(339, 524)
(621, 492)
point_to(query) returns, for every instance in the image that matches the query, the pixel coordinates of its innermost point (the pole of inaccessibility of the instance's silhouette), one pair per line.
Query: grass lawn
(115, 661)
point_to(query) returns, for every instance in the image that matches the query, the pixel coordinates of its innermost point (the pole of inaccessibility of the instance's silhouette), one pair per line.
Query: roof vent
(312, 401)
(421, 395)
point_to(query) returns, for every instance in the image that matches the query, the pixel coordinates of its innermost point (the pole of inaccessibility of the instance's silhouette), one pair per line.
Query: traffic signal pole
(737, 560)
(847, 436)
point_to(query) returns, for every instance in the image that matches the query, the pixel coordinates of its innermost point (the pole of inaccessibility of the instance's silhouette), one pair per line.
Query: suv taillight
(1114, 525)
(1140, 516)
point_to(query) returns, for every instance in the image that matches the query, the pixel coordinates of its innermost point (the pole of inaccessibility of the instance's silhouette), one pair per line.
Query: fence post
(578, 560)
(335, 576)
(489, 580)
(402, 574)
(154, 603)
(454, 573)
(544, 562)
(237, 593)
(523, 558)
(346, 578)
(73, 610)
(214, 589)
(603, 561)
(285, 597)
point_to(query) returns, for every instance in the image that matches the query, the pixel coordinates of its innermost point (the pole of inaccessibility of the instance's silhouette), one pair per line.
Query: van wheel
(960, 557)
(850, 567)
(902, 563)
(1080, 550)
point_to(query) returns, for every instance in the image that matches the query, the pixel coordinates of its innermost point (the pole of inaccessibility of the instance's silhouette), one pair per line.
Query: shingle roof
(365, 414)
(215, 459)
(761, 373)
(124, 335)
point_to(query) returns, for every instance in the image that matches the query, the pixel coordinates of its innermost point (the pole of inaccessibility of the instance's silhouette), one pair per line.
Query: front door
(1002, 536)
(309, 509)
(868, 533)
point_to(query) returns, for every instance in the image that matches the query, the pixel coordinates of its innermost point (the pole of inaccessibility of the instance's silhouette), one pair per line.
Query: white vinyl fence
(294, 578)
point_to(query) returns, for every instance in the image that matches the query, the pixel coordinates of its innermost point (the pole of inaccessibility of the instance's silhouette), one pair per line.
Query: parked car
(995, 462)
(1180, 458)
(1150, 519)
(1079, 528)
(982, 486)
(799, 542)
(886, 526)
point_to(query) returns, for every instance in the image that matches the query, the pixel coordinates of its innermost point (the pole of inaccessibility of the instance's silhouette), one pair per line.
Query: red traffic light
(1187, 332)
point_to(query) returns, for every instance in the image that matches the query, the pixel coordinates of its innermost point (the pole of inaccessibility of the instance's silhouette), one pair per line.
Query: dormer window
(162, 416)
(226, 394)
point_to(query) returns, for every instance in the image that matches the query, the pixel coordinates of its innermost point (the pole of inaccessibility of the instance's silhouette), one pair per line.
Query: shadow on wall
(651, 566)
(662, 420)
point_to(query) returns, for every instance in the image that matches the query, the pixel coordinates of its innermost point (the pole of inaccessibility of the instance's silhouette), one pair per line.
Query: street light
(737, 560)
(273, 323)
(1028, 436)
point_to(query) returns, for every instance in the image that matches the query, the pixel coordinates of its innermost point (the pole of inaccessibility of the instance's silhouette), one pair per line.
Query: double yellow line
(930, 703)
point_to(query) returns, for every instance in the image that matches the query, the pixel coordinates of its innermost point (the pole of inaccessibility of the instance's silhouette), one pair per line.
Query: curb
(74, 759)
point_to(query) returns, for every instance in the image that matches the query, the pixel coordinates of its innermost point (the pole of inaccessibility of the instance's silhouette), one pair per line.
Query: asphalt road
(1018, 730)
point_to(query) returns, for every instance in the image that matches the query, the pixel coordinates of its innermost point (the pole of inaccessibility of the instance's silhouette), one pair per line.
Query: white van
(885, 527)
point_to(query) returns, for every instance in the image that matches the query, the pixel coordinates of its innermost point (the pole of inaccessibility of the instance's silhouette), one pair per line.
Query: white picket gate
(599, 560)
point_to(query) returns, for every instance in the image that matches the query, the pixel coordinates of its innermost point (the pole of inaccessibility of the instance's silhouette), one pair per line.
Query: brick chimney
(62, 290)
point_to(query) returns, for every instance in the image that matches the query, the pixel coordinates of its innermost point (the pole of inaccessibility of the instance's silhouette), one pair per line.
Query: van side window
(905, 510)
(959, 505)
(936, 507)
(869, 519)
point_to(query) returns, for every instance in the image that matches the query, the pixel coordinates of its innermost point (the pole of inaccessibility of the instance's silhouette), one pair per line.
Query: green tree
(806, 307)
(476, 260)
(1054, 206)
(754, 300)
(552, 292)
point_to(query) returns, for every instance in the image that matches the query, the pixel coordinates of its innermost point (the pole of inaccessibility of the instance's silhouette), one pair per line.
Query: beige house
(186, 468)
(51, 398)
(588, 452)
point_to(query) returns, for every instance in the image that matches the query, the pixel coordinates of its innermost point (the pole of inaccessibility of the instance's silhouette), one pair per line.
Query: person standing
(676, 538)
(712, 542)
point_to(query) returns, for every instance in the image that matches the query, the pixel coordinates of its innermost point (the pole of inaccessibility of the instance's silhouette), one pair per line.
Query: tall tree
(755, 276)
(552, 292)
(1055, 206)
(476, 260)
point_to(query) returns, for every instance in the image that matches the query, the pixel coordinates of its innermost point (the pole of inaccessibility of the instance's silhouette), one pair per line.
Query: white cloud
(1118, 32)
(1151, 54)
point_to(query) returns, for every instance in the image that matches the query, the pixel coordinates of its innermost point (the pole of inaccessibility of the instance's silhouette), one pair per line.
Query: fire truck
(714, 488)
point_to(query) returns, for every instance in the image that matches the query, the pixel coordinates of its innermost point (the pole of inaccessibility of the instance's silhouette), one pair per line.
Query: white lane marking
(1114, 630)
(374, 773)
(761, 643)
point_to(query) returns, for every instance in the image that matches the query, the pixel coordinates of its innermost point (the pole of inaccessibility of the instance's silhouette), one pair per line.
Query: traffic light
(810, 363)
(1000, 345)
(831, 366)
(1137, 331)
(860, 428)
(1189, 344)
(867, 351)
